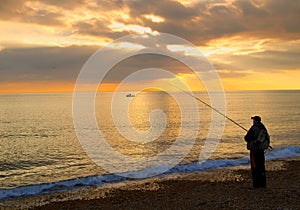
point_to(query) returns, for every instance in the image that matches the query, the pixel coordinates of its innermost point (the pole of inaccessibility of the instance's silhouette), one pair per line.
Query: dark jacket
(252, 134)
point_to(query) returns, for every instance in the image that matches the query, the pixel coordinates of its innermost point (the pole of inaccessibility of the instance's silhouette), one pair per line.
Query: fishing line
(206, 104)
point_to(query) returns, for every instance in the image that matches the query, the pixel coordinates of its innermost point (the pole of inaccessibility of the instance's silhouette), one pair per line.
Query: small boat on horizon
(130, 95)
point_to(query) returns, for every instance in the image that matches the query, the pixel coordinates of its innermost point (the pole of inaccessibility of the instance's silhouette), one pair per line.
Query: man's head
(256, 119)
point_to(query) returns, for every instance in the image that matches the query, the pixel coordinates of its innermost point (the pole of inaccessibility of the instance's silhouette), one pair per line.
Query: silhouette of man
(257, 156)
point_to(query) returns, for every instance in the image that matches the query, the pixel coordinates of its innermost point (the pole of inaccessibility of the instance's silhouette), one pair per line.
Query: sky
(253, 44)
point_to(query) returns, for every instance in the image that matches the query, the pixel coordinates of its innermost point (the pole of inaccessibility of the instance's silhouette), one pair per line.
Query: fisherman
(257, 156)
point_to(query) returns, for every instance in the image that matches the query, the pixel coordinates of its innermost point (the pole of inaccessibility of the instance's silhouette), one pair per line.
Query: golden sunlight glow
(27, 33)
(43, 35)
(192, 81)
(254, 81)
(285, 80)
(36, 87)
(39, 5)
(187, 50)
(236, 45)
(188, 2)
(120, 27)
(127, 46)
(154, 18)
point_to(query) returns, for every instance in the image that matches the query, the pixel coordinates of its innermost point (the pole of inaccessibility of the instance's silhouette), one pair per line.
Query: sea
(41, 150)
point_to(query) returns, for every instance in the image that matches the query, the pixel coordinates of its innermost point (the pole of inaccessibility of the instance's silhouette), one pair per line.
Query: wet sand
(225, 188)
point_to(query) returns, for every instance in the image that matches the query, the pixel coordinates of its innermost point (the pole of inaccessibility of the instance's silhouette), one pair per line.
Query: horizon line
(45, 92)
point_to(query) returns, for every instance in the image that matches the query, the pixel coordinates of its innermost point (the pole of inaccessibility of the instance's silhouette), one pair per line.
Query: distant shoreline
(225, 188)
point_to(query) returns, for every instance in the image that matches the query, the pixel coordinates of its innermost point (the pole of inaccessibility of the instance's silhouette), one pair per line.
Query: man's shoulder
(261, 126)
(256, 127)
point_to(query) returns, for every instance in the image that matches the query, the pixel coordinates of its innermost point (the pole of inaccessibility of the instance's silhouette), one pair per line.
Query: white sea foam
(283, 152)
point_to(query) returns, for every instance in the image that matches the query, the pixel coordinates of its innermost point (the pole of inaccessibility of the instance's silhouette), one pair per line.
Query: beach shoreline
(221, 188)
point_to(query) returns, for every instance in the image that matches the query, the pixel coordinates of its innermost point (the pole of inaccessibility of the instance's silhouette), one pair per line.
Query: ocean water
(41, 153)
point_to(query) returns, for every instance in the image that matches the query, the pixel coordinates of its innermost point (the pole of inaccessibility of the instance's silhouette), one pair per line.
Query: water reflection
(139, 111)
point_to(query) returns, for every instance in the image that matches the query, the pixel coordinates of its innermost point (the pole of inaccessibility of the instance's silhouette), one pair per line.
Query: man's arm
(250, 135)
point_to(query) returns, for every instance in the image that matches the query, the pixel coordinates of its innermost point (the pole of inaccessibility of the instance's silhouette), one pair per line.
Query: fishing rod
(206, 104)
(198, 99)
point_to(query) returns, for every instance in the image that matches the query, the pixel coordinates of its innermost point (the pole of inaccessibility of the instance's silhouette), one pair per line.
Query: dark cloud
(12, 9)
(174, 13)
(96, 28)
(206, 20)
(261, 61)
(64, 64)
(44, 17)
(167, 9)
(200, 23)
(17, 10)
(247, 8)
(108, 5)
(144, 61)
(285, 13)
(47, 63)
(65, 4)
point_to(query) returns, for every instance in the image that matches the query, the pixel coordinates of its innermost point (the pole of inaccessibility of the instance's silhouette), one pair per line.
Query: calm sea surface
(38, 143)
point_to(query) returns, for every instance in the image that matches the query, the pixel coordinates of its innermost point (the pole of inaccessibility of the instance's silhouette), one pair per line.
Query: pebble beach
(222, 188)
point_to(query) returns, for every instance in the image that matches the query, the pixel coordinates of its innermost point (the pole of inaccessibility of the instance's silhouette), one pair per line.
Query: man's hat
(256, 118)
